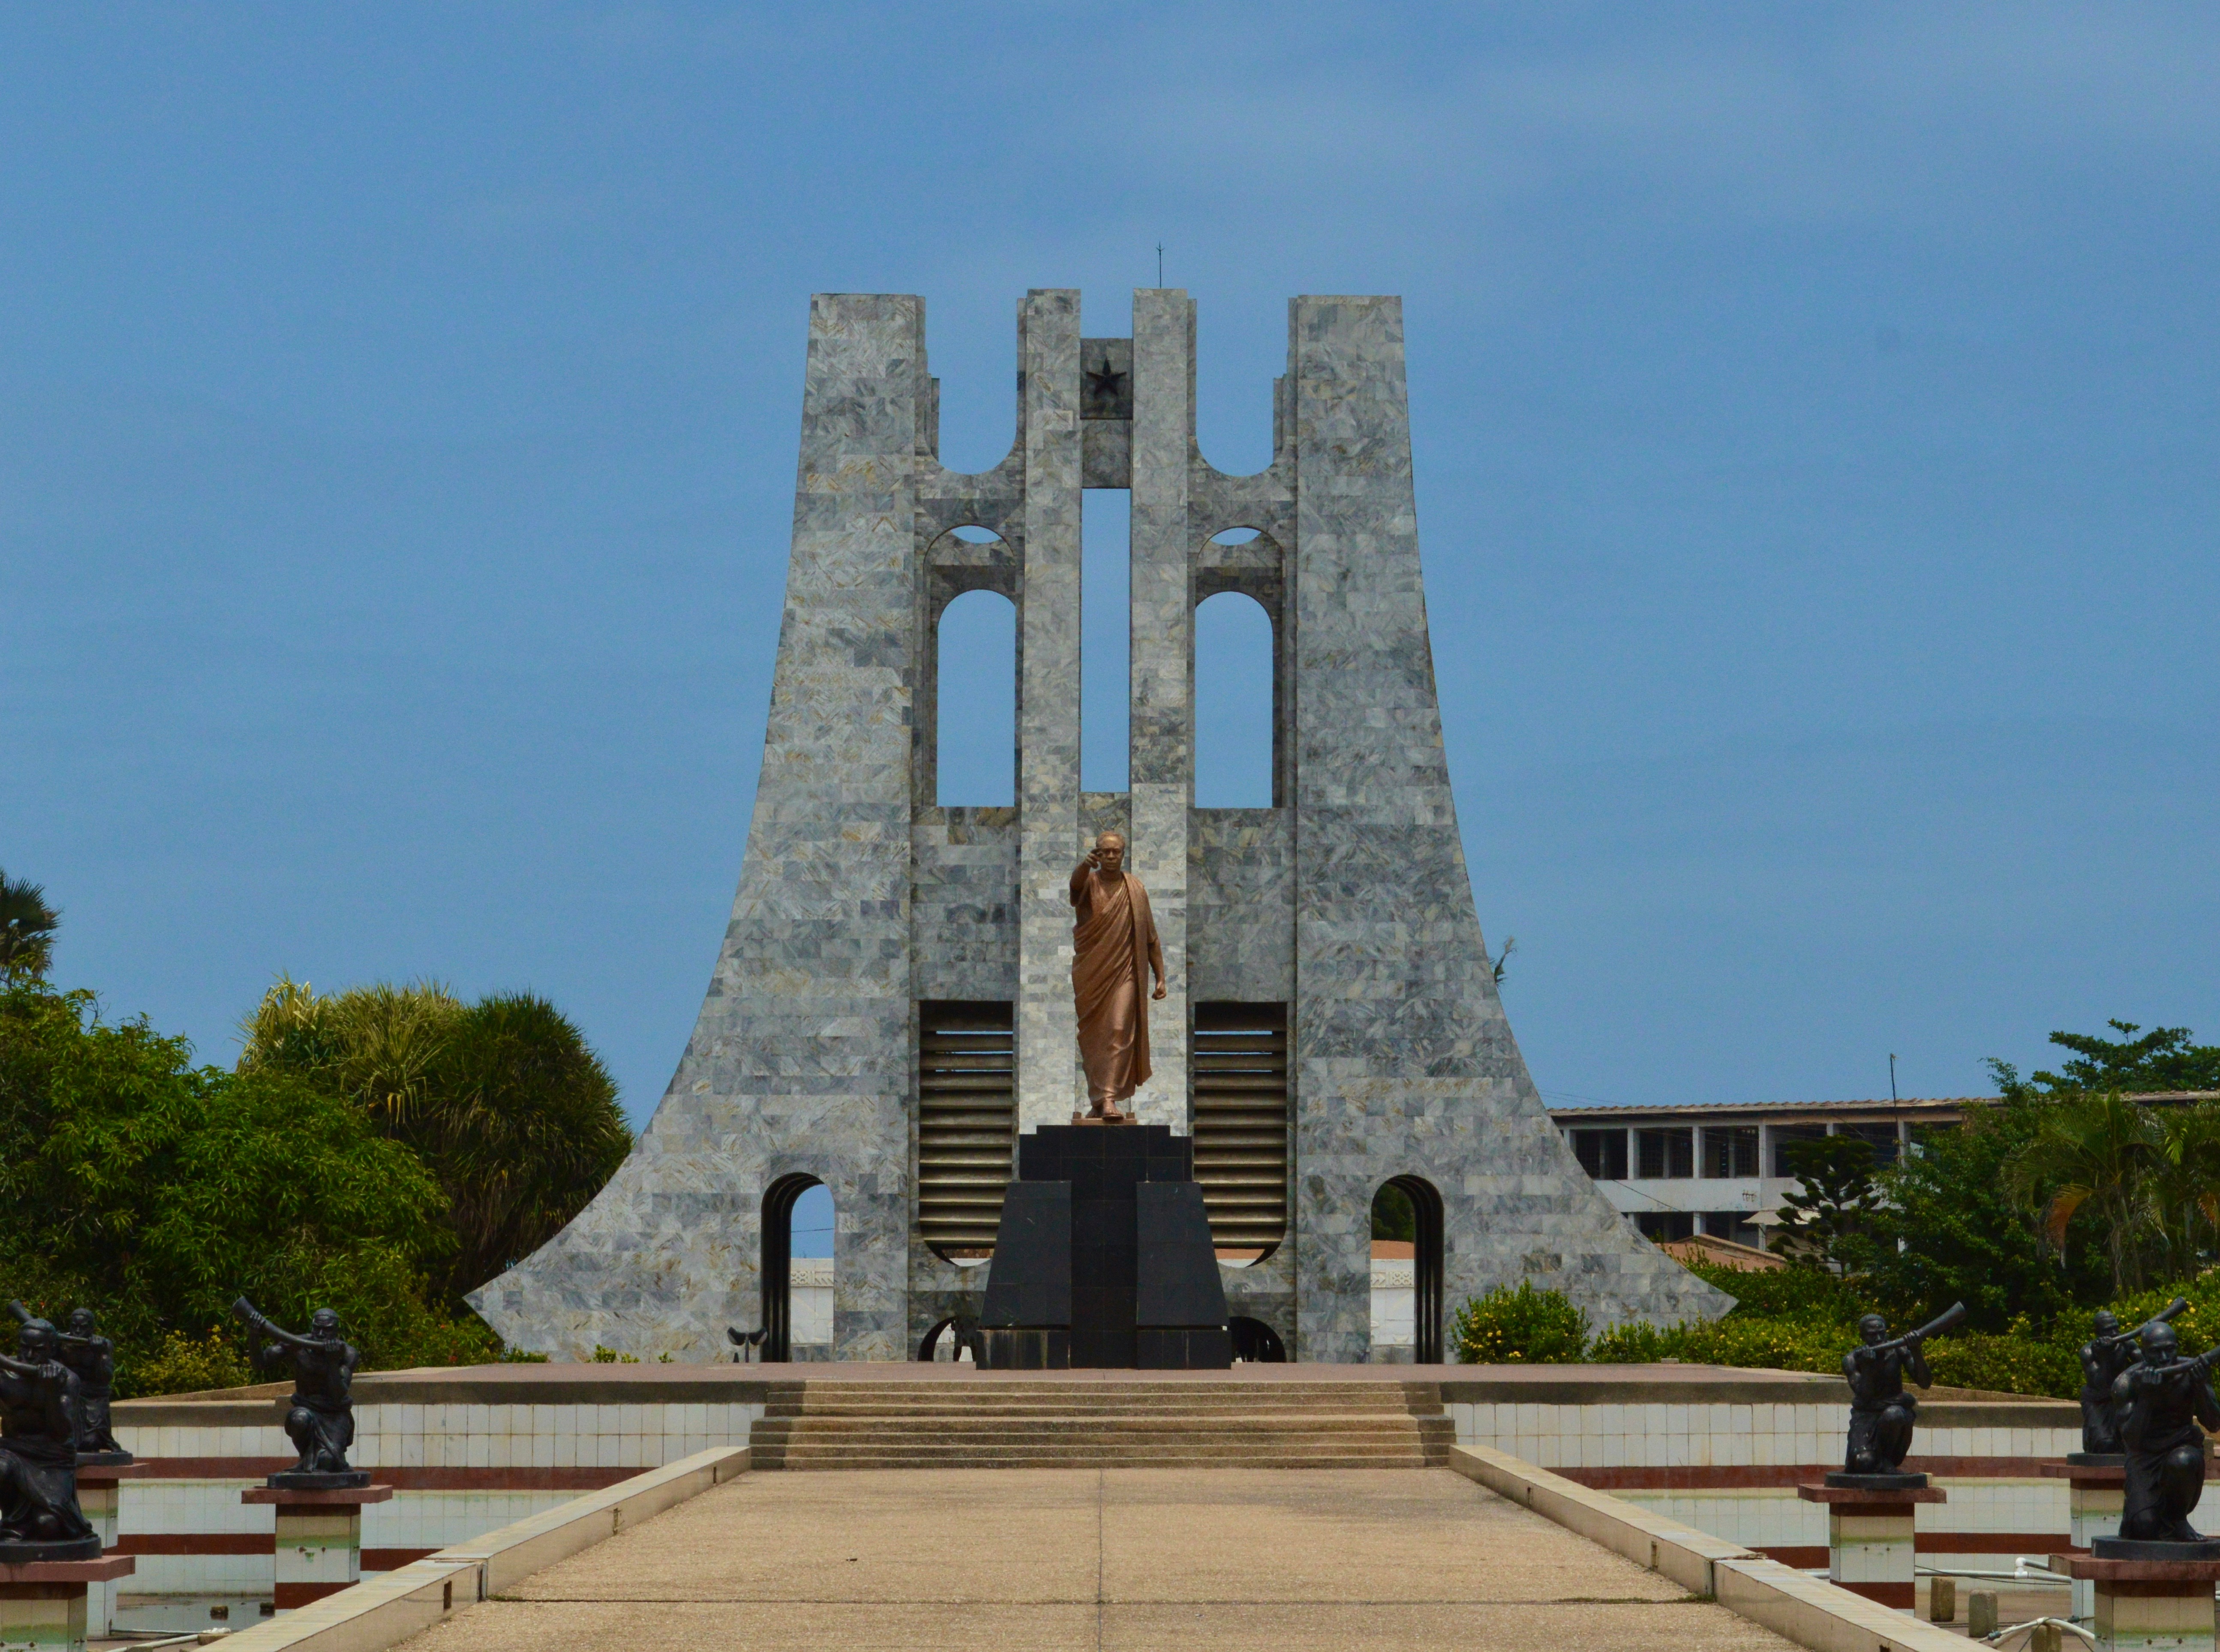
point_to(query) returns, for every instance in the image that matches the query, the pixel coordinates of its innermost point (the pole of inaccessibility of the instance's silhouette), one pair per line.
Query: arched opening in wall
(1406, 1272)
(953, 1342)
(976, 682)
(1256, 1343)
(797, 1268)
(1233, 707)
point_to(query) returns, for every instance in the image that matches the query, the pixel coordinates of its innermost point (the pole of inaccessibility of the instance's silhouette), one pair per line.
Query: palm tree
(26, 929)
(2185, 1175)
(503, 1099)
(2094, 1153)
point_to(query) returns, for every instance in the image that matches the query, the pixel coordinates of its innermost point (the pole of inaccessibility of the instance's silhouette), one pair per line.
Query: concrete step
(1104, 1437)
(1068, 1407)
(984, 1458)
(1103, 1426)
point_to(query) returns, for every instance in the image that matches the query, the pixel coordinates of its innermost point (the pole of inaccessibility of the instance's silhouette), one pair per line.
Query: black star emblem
(1105, 384)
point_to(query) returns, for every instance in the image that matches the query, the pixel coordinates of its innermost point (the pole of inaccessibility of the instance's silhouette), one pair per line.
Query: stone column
(2095, 1493)
(1163, 739)
(1048, 708)
(1869, 1539)
(319, 1539)
(2146, 1604)
(42, 1605)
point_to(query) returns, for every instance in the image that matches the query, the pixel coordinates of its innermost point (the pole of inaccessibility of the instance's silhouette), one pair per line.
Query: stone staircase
(989, 1422)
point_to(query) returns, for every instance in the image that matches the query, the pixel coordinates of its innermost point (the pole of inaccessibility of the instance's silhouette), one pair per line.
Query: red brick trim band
(1898, 1595)
(1780, 1475)
(392, 1560)
(1806, 1557)
(195, 1543)
(406, 1479)
(292, 1595)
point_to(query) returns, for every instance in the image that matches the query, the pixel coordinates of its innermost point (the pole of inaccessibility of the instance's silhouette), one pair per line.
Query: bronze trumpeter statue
(319, 1418)
(1881, 1413)
(40, 1519)
(2108, 1351)
(2160, 1402)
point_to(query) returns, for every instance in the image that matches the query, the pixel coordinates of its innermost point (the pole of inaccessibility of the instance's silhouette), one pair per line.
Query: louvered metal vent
(1241, 1122)
(966, 1122)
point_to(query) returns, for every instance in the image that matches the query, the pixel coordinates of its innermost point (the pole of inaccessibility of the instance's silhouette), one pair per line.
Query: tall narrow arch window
(975, 742)
(1232, 703)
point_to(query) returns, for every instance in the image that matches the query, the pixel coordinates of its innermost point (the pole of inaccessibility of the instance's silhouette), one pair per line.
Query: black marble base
(2097, 1459)
(105, 1459)
(1195, 1348)
(1848, 1482)
(76, 1548)
(293, 1481)
(1104, 1235)
(2136, 1549)
(1027, 1348)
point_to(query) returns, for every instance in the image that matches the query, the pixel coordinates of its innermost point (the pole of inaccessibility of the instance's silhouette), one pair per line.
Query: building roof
(1728, 1109)
(1908, 1104)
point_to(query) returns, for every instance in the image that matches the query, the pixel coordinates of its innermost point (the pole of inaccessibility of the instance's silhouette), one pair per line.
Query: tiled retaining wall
(481, 1458)
(1726, 1456)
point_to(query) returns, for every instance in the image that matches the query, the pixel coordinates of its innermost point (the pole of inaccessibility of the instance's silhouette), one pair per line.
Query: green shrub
(184, 1364)
(610, 1356)
(2005, 1363)
(1796, 1292)
(1636, 1343)
(1521, 1326)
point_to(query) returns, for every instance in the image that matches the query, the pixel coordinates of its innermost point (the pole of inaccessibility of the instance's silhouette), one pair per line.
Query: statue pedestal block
(98, 1496)
(2097, 1487)
(1869, 1533)
(319, 1538)
(2157, 1603)
(42, 1603)
(1103, 1256)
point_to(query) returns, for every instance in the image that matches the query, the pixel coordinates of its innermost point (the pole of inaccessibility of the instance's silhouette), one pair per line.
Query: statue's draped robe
(1113, 944)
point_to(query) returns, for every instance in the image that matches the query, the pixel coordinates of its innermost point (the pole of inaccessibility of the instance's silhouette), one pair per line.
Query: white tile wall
(1704, 1436)
(404, 1437)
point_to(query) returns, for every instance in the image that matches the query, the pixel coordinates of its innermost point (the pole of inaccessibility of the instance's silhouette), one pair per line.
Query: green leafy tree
(1394, 1217)
(155, 1191)
(2138, 1063)
(2090, 1156)
(1829, 1217)
(503, 1097)
(28, 923)
(1948, 1230)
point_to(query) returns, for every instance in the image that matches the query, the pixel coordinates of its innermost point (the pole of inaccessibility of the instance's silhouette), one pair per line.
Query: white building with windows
(1722, 1168)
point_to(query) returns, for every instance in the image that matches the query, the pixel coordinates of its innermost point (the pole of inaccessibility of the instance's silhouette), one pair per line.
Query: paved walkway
(1016, 1560)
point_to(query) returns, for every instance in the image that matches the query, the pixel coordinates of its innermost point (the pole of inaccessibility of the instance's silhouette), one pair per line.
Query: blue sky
(1815, 412)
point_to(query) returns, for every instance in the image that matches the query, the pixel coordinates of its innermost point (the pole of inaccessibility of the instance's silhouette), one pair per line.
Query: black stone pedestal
(1898, 1482)
(1103, 1258)
(293, 1481)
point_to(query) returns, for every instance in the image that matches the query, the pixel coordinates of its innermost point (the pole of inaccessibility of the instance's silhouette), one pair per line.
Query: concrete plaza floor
(1098, 1558)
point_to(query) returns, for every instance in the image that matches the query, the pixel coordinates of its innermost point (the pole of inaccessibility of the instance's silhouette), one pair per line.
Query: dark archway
(1426, 1266)
(778, 1264)
(1256, 1343)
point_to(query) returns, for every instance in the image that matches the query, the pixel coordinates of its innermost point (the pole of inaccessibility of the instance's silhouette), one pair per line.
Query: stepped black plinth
(1103, 1258)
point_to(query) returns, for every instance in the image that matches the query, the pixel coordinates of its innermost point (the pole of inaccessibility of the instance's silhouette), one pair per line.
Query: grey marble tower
(1345, 911)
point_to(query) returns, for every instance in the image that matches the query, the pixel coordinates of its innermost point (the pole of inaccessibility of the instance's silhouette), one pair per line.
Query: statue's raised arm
(263, 1325)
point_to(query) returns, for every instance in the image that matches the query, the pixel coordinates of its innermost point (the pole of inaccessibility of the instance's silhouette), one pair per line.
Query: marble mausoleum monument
(893, 1006)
